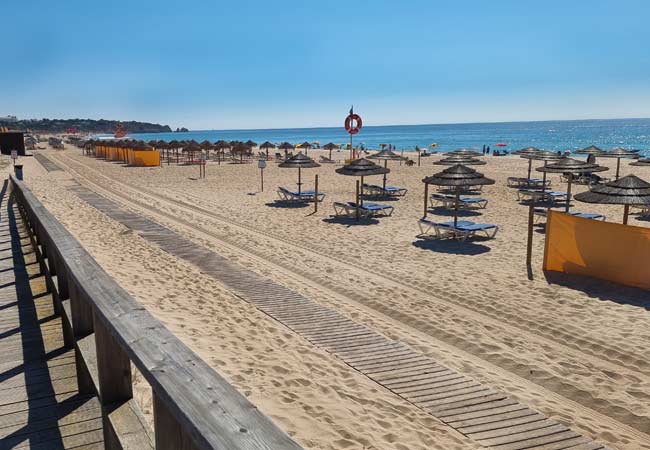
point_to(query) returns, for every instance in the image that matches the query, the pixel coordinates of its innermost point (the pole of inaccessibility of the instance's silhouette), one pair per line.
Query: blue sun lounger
(305, 196)
(349, 209)
(449, 201)
(463, 230)
(543, 213)
(389, 191)
(529, 194)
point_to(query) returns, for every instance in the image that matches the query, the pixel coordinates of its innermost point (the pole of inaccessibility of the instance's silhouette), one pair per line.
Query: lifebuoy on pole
(353, 123)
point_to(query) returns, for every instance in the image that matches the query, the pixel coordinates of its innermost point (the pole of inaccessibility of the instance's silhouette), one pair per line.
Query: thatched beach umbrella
(386, 155)
(361, 168)
(629, 190)
(266, 146)
(464, 160)
(526, 151)
(330, 146)
(305, 145)
(457, 177)
(300, 162)
(241, 148)
(571, 166)
(591, 150)
(619, 153)
(286, 147)
(546, 156)
(251, 144)
(464, 152)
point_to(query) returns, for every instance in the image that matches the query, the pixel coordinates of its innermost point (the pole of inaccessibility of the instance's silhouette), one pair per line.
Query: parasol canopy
(362, 168)
(464, 152)
(386, 155)
(527, 151)
(629, 190)
(300, 162)
(456, 159)
(619, 153)
(591, 150)
(571, 166)
(267, 145)
(458, 176)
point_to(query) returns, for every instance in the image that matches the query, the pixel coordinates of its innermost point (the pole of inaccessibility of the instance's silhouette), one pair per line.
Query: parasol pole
(361, 191)
(357, 202)
(316, 193)
(426, 197)
(568, 193)
(626, 213)
(618, 167)
(385, 167)
(299, 180)
(456, 206)
(530, 166)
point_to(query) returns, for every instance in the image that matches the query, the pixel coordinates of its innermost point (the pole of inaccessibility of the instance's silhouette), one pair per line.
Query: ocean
(548, 135)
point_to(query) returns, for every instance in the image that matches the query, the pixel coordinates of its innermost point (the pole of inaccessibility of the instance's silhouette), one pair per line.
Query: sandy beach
(576, 349)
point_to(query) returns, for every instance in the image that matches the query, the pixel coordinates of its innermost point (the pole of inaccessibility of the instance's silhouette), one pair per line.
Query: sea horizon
(547, 134)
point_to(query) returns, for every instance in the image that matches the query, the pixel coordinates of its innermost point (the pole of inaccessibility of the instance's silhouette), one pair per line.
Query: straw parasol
(629, 190)
(526, 151)
(241, 148)
(300, 162)
(330, 146)
(619, 153)
(456, 159)
(464, 152)
(571, 166)
(306, 145)
(591, 150)
(286, 147)
(641, 162)
(386, 155)
(266, 146)
(361, 168)
(458, 177)
(546, 156)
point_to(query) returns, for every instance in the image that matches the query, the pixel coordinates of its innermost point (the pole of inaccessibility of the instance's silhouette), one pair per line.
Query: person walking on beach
(483, 149)
(488, 150)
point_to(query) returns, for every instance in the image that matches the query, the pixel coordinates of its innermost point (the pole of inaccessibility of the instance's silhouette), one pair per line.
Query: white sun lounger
(394, 191)
(519, 182)
(449, 202)
(529, 194)
(304, 196)
(463, 230)
(349, 209)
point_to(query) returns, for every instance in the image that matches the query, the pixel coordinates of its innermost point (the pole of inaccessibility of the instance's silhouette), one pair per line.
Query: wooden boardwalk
(485, 415)
(47, 163)
(40, 406)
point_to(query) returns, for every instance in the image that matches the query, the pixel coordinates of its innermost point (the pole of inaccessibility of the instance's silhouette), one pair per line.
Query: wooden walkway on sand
(47, 163)
(485, 415)
(40, 406)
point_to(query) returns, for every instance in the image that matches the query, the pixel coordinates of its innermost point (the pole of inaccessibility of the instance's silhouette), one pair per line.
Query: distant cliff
(84, 126)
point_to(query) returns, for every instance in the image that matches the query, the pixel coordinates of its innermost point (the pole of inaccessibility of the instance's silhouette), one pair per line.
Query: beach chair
(529, 183)
(305, 196)
(644, 210)
(349, 209)
(449, 202)
(535, 195)
(326, 160)
(388, 191)
(463, 230)
(542, 213)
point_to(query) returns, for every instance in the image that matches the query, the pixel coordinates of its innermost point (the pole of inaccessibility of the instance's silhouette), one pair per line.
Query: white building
(11, 119)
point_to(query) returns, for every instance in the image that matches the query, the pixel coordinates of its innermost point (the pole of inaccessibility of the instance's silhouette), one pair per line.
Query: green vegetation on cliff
(84, 126)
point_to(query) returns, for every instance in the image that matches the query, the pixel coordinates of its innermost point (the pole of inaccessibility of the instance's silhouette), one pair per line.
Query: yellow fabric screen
(609, 251)
(143, 158)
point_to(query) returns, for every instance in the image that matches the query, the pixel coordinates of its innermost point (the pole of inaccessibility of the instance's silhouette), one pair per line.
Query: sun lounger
(463, 230)
(349, 209)
(449, 202)
(541, 213)
(305, 196)
(518, 182)
(326, 160)
(644, 211)
(529, 194)
(388, 191)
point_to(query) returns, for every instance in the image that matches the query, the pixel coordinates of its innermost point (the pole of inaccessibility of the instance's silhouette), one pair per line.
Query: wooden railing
(194, 407)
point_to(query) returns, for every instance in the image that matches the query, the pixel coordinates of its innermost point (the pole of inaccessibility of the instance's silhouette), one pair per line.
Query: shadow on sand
(350, 221)
(440, 211)
(601, 289)
(287, 205)
(452, 247)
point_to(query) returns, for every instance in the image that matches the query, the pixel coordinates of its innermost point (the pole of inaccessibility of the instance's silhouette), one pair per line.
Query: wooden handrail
(194, 407)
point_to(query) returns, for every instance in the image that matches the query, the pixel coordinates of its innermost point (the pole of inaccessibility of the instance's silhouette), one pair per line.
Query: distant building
(11, 119)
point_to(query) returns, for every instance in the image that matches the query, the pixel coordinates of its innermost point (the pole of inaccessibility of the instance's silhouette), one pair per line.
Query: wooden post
(529, 246)
(316, 193)
(618, 167)
(82, 326)
(426, 198)
(114, 372)
(262, 179)
(419, 155)
(357, 202)
(169, 434)
(626, 213)
(568, 194)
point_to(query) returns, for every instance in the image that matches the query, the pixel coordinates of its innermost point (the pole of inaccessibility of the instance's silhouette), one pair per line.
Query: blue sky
(268, 64)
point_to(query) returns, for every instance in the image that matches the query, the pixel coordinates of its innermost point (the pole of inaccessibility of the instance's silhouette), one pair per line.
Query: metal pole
(529, 247)
(316, 193)
(426, 198)
(626, 213)
(357, 202)
(568, 193)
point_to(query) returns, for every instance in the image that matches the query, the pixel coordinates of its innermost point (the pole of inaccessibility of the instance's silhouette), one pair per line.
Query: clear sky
(271, 64)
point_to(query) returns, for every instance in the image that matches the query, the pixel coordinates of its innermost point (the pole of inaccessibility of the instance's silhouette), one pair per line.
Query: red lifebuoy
(357, 126)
